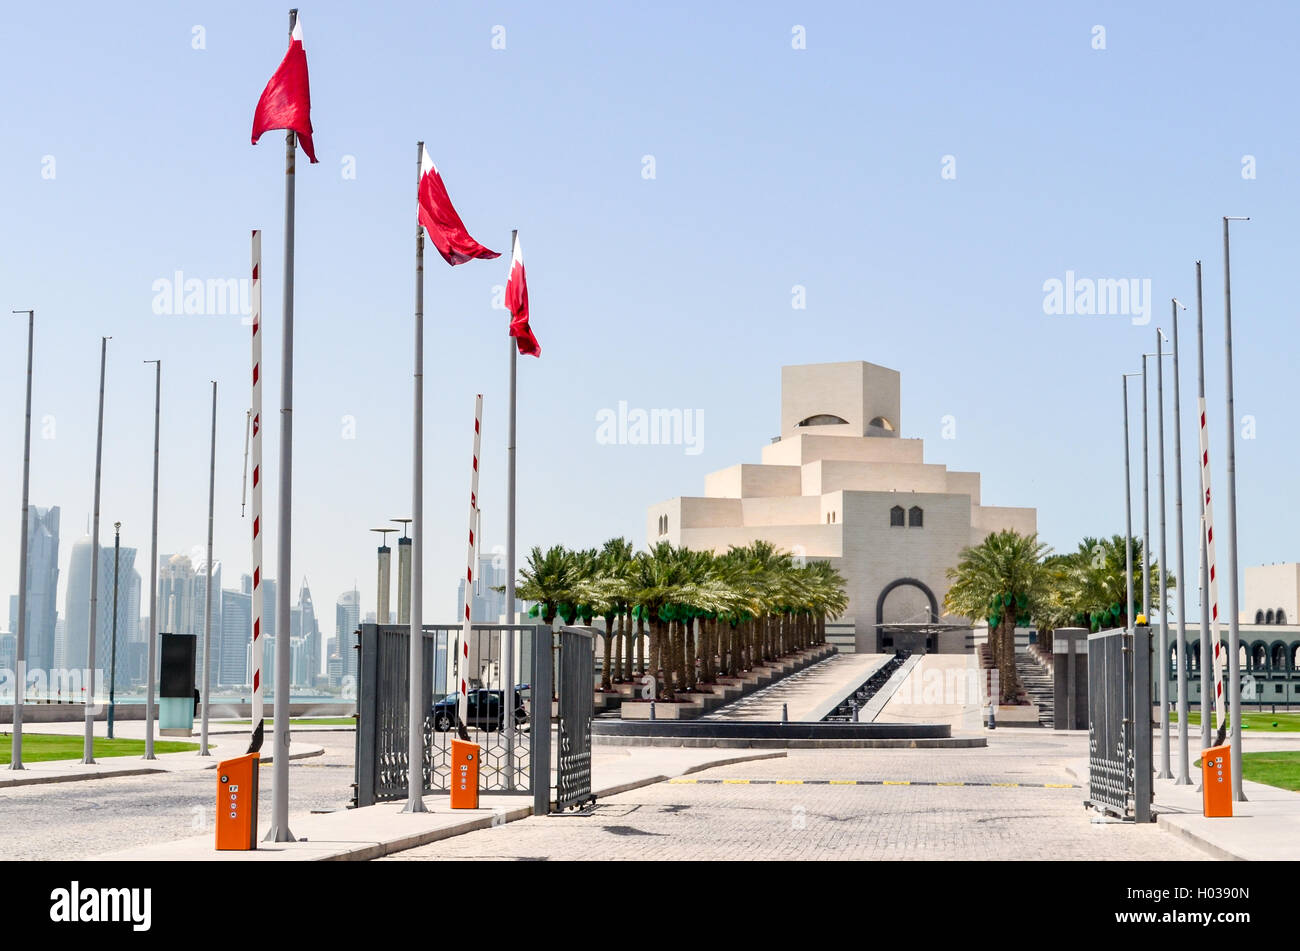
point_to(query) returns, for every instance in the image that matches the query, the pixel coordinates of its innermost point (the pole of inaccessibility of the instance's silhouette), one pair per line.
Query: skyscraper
(347, 616)
(231, 659)
(489, 605)
(309, 630)
(196, 622)
(42, 587)
(71, 653)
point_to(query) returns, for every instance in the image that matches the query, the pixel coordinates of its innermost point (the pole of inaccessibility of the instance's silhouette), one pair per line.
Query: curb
(1187, 835)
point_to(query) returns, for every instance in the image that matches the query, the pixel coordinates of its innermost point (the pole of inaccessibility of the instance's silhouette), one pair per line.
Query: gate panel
(577, 686)
(1119, 723)
(499, 719)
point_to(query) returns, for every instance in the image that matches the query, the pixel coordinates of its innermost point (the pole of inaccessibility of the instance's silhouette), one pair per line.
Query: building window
(835, 517)
(896, 517)
(1279, 617)
(879, 422)
(823, 419)
(1268, 618)
(914, 516)
(1259, 617)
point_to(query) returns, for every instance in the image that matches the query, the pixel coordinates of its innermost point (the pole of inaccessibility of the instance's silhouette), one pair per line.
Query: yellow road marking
(890, 783)
(844, 782)
(1058, 785)
(736, 782)
(789, 782)
(1004, 784)
(952, 784)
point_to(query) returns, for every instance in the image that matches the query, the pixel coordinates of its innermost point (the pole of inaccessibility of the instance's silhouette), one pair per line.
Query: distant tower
(385, 575)
(403, 574)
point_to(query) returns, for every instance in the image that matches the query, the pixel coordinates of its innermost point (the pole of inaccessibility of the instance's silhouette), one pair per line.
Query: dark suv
(485, 710)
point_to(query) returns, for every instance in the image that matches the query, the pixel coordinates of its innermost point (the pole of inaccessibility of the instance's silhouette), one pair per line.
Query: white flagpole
(415, 662)
(20, 659)
(462, 661)
(279, 831)
(258, 721)
(152, 652)
(88, 752)
(207, 602)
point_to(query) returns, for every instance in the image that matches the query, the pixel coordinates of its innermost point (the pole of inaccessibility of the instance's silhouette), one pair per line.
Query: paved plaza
(1014, 801)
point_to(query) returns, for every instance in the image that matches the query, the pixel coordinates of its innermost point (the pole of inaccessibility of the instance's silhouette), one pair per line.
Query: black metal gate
(1119, 723)
(577, 686)
(500, 719)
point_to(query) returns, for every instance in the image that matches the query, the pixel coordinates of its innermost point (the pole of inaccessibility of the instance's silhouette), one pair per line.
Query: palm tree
(1093, 588)
(1004, 576)
(606, 590)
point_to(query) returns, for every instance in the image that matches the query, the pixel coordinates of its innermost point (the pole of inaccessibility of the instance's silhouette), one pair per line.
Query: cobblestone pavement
(779, 820)
(81, 819)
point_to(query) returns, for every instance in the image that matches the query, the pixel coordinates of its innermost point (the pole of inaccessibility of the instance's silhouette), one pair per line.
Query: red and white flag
(286, 100)
(517, 302)
(438, 215)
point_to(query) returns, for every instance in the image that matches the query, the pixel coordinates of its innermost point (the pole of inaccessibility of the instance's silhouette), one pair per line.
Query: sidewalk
(362, 834)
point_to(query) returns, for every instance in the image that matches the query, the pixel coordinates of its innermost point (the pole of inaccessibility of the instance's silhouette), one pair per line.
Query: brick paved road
(779, 821)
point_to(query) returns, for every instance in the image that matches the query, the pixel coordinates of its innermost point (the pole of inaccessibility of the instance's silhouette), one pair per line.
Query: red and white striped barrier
(462, 668)
(255, 297)
(1207, 509)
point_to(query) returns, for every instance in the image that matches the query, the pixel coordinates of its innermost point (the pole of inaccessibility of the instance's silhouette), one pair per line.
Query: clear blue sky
(774, 167)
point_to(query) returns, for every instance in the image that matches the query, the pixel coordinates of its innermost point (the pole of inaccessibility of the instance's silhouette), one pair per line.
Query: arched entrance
(895, 634)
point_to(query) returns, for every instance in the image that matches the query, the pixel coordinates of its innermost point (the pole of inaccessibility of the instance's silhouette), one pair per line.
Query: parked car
(485, 710)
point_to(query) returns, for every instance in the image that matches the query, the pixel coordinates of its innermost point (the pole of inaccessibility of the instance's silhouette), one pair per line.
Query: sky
(681, 175)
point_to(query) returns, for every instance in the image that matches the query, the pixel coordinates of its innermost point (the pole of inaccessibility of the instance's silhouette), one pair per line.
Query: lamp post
(20, 656)
(112, 670)
(1128, 514)
(152, 650)
(88, 749)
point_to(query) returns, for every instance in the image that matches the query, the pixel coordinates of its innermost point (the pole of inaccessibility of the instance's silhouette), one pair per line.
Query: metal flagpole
(1212, 583)
(279, 831)
(1207, 648)
(462, 654)
(88, 752)
(20, 657)
(1128, 515)
(1146, 505)
(112, 664)
(509, 650)
(152, 651)
(255, 424)
(1184, 755)
(1163, 666)
(207, 614)
(1234, 639)
(415, 664)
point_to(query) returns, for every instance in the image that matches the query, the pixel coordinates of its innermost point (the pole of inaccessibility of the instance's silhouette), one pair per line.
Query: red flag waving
(438, 215)
(517, 301)
(286, 100)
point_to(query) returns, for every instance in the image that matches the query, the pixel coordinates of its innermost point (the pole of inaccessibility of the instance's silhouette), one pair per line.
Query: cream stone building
(841, 484)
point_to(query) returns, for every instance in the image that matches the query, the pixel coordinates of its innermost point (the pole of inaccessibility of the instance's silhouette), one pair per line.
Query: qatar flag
(438, 215)
(517, 302)
(286, 100)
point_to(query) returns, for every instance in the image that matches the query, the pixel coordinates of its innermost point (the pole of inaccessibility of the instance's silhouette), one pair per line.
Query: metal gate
(1119, 723)
(576, 693)
(501, 715)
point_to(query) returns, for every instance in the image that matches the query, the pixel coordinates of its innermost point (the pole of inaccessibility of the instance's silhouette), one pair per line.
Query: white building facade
(840, 484)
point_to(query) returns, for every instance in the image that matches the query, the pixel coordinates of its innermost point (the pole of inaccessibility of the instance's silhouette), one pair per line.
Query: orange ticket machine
(464, 774)
(1216, 781)
(237, 804)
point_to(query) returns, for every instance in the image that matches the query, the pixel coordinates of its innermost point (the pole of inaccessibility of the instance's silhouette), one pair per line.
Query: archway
(919, 641)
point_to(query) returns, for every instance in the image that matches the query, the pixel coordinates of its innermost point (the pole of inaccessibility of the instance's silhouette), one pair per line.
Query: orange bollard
(237, 804)
(464, 774)
(1216, 781)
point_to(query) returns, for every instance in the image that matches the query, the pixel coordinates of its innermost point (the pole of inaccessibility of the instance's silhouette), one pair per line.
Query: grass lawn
(305, 721)
(1259, 722)
(40, 747)
(1281, 769)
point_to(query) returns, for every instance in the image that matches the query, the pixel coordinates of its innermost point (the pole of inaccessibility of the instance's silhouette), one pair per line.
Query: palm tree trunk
(617, 634)
(640, 647)
(605, 681)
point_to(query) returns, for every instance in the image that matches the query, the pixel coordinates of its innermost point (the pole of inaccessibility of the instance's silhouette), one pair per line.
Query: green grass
(305, 721)
(41, 747)
(1260, 722)
(1280, 769)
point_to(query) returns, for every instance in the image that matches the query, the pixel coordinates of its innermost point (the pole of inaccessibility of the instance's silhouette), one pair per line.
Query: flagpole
(466, 630)
(152, 651)
(207, 601)
(415, 663)
(1163, 687)
(279, 831)
(88, 752)
(20, 658)
(1234, 637)
(509, 650)
(1184, 757)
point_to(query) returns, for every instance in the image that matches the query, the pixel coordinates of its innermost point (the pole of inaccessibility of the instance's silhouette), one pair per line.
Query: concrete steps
(1038, 684)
